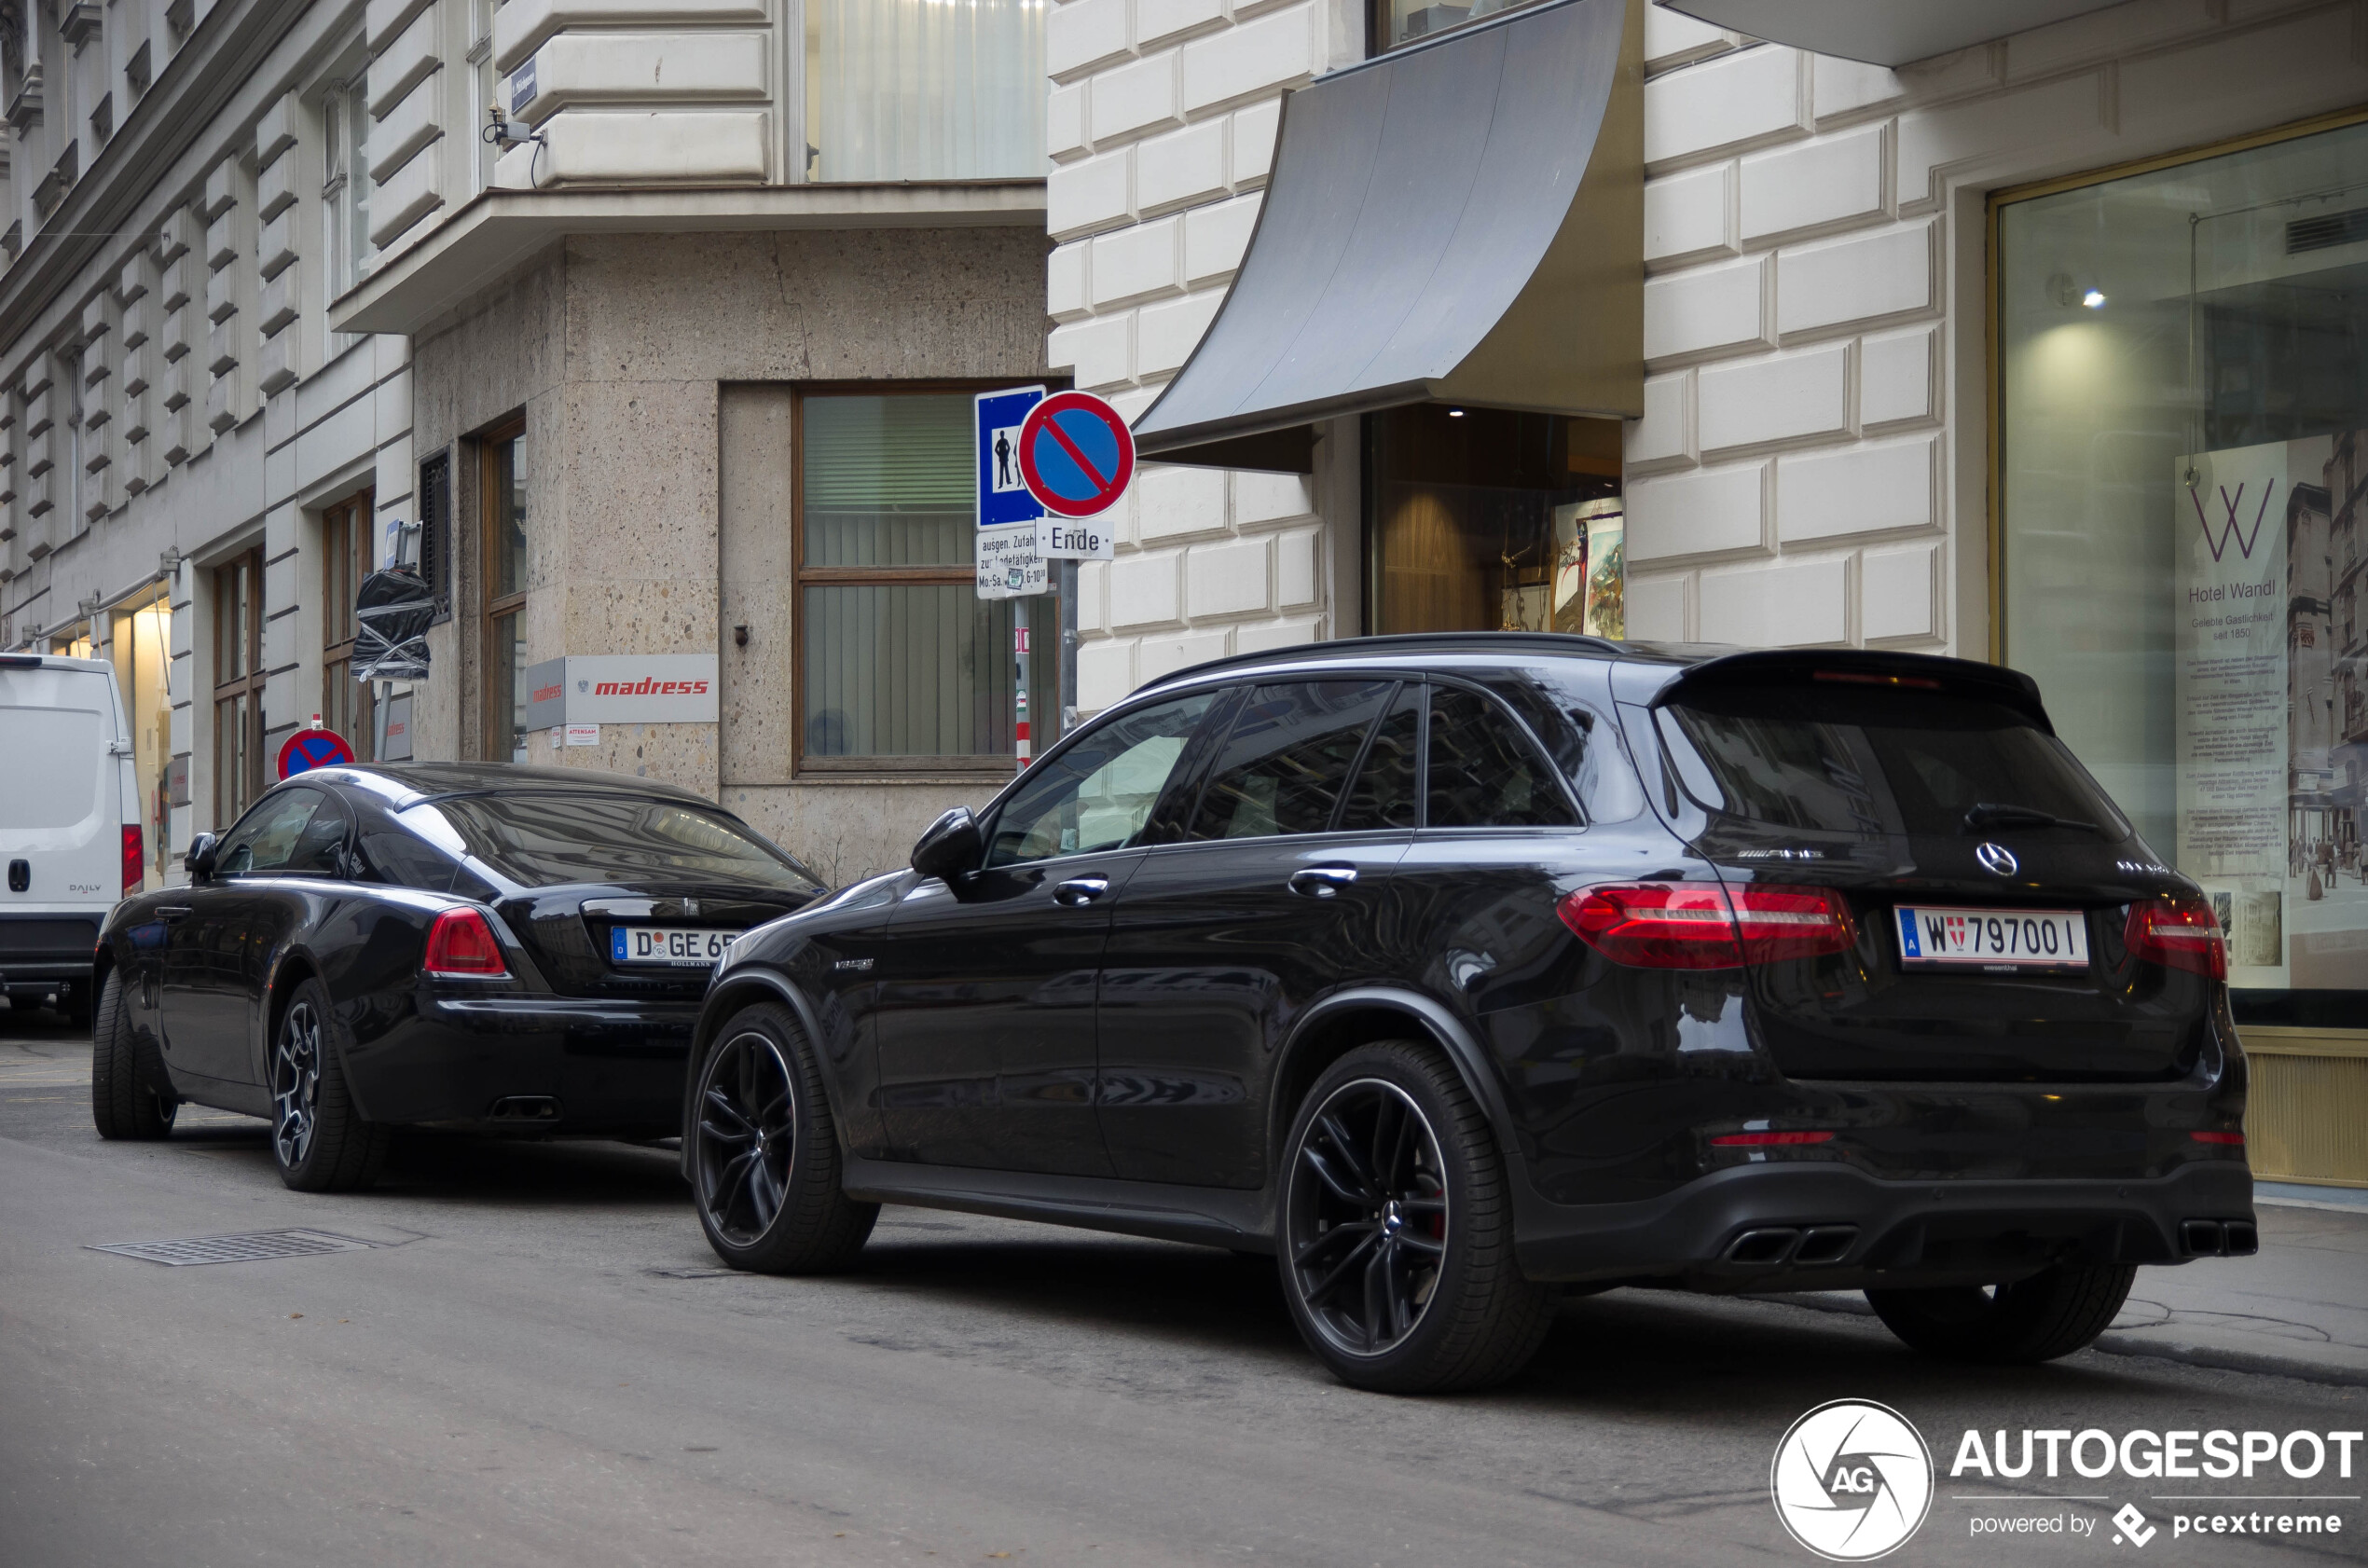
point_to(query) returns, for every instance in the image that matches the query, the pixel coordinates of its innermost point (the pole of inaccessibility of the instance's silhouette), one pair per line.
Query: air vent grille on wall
(2327, 230)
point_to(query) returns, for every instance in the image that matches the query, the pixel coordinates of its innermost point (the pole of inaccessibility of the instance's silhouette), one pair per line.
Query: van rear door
(61, 815)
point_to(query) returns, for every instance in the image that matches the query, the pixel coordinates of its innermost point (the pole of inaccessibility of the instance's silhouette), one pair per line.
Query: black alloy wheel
(764, 1154)
(1397, 1244)
(319, 1139)
(1370, 1231)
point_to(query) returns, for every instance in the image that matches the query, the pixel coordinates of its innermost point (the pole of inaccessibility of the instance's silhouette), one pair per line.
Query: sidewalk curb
(2226, 1358)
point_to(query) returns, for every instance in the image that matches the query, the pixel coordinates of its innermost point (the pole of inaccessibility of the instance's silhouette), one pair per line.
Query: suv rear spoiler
(1851, 666)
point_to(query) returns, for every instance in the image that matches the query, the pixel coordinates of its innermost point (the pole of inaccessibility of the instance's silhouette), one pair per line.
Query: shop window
(142, 648)
(1483, 520)
(1396, 22)
(2183, 536)
(346, 558)
(503, 505)
(237, 686)
(918, 90)
(902, 666)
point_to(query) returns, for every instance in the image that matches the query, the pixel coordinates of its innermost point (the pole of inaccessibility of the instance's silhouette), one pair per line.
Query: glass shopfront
(2182, 363)
(1483, 520)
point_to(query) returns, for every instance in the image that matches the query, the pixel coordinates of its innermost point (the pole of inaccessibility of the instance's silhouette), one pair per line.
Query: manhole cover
(253, 1246)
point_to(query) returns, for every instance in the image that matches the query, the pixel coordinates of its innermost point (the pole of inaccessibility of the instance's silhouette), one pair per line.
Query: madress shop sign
(622, 689)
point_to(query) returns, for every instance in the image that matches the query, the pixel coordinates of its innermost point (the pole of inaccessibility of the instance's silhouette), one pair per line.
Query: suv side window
(1385, 793)
(1099, 792)
(1282, 768)
(1484, 773)
(290, 832)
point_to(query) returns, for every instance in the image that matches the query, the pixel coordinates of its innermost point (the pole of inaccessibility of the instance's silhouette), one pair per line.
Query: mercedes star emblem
(1996, 858)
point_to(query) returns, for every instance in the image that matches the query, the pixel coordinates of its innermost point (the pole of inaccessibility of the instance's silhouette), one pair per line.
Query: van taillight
(461, 943)
(1697, 926)
(135, 859)
(2178, 932)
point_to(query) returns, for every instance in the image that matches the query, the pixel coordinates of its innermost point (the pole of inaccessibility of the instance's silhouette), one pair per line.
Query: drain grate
(251, 1248)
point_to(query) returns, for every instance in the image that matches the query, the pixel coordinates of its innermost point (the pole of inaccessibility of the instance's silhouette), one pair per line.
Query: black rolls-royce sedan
(471, 945)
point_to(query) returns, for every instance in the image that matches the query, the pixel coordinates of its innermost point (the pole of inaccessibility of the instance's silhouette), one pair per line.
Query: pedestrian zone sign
(1003, 494)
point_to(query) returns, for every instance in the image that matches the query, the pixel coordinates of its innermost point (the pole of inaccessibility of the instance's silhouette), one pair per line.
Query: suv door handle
(1322, 882)
(173, 911)
(1079, 890)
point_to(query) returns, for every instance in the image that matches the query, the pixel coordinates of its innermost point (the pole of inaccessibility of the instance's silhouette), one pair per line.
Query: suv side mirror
(950, 846)
(201, 856)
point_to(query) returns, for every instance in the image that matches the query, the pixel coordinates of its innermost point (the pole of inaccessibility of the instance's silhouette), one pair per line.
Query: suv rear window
(1869, 763)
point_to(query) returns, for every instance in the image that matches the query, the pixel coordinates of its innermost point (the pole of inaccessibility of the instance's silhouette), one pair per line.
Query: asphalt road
(538, 1362)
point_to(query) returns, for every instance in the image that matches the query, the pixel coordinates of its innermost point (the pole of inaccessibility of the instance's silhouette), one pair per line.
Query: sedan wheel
(764, 1152)
(319, 1139)
(1396, 1243)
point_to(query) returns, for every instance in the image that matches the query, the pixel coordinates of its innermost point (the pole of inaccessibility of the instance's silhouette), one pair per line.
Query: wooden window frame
(1043, 711)
(247, 685)
(494, 607)
(355, 517)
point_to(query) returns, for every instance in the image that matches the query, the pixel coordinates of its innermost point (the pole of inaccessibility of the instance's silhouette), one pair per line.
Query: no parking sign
(307, 750)
(1076, 454)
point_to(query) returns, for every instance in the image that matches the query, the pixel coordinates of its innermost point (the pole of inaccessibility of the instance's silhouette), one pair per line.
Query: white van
(70, 831)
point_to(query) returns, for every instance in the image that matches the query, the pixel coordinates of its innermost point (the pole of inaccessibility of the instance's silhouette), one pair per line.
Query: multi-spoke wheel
(1397, 1244)
(764, 1156)
(319, 1139)
(1369, 1228)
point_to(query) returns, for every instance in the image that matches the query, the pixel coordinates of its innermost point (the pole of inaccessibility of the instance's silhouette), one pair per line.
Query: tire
(764, 1153)
(1395, 1233)
(130, 1097)
(2052, 1314)
(318, 1137)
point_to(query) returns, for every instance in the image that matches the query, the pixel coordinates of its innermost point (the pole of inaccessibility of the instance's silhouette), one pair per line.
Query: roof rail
(1551, 642)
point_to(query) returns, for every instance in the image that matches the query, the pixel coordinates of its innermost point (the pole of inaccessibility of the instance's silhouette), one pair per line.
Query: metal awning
(1459, 220)
(1883, 32)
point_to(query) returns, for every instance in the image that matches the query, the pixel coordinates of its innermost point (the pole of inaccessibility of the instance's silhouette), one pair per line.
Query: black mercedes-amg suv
(1462, 971)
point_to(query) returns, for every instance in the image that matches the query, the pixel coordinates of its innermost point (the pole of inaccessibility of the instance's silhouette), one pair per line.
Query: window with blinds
(903, 668)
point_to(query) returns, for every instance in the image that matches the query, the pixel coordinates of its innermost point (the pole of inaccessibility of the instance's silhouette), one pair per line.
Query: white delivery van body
(70, 834)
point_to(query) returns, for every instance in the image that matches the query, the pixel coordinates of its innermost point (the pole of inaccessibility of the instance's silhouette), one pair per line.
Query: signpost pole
(1066, 700)
(1019, 687)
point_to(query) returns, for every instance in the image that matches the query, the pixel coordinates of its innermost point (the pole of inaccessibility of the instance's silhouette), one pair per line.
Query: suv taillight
(135, 859)
(2178, 932)
(461, 943)
(1698, 926)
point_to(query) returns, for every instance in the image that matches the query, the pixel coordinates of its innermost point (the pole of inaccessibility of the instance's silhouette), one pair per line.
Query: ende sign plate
(622, 689)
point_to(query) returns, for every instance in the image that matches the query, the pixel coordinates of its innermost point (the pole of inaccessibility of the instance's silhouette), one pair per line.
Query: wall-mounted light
(2094, 300)
(1456, 413)
(168, 561)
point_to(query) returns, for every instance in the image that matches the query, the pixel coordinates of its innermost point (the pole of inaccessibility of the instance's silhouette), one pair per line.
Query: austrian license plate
(664, 944)
(1992, 940)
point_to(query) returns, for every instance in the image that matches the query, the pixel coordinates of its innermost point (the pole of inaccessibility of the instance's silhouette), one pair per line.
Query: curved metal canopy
(1457, 221)
(1883, 32)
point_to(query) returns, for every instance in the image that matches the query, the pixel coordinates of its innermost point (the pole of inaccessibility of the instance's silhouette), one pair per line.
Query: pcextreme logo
(1852, 1480)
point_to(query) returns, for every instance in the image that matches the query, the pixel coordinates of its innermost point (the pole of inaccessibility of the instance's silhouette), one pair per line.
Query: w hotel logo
(2232, 509)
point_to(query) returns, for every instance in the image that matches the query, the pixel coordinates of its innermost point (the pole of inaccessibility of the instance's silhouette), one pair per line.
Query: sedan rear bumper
(1818, 1226)
(542, 1062)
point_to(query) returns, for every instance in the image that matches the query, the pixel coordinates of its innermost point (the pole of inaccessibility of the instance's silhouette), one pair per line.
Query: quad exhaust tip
(526, 1107)
(2217, 1238)
(1777, 1246)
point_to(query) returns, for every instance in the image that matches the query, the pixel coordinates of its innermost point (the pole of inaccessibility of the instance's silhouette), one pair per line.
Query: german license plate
(666, 944)
(1992, 940)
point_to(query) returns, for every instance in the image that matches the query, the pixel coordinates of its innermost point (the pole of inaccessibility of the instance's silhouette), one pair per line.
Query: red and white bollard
(1019, 662)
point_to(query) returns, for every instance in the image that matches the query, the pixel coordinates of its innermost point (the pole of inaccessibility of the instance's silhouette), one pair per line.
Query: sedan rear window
(1869, 763)
(541, 839)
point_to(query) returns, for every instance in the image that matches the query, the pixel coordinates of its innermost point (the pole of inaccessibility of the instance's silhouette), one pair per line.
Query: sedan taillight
(461, 943)
(2178, 932)
(1699, 925)
(135, 859)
